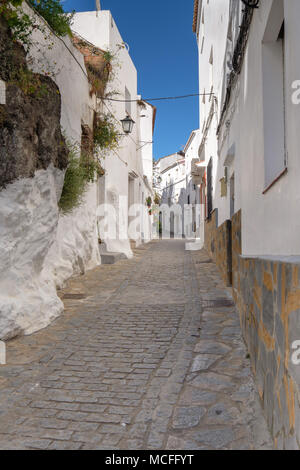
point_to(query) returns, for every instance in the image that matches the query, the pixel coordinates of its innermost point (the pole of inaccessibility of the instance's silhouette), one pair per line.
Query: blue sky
(164, 51)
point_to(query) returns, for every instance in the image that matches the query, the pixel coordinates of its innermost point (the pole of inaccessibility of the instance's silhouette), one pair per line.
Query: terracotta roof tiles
(195, 18)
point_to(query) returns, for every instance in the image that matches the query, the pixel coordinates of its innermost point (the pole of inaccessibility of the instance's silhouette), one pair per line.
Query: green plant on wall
(108, 56)
(148, 201)
(99, 77)
(83, 168)
(98, 80)
(92, 166)
(52, 11)
(75, 182)
(157, 199)
(30, 83)
(106, 136)
(22, 25)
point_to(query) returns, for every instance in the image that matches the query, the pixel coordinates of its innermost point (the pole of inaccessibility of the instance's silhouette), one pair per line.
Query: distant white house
(172, 178)
(169, 182)
(194, 187)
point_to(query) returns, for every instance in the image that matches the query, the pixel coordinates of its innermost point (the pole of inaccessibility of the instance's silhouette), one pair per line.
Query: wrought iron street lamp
(127, 124)
(251, 3)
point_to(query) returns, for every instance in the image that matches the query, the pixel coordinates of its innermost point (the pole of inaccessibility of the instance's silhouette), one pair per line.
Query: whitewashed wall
(44, 248)
(172, 185)
(191, 153)
(212, 39)
(146, 138)
(196, 219)
(271, 222)
(129, 158)
(76, 245)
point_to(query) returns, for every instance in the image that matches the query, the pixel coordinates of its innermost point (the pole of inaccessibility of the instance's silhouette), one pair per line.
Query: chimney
(98, 7)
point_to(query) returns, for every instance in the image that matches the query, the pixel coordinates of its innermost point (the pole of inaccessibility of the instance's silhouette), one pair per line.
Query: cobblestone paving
(141, 359)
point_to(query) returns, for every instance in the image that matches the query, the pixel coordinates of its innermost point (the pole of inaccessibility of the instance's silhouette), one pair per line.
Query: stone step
(111, 258)
(194, 245)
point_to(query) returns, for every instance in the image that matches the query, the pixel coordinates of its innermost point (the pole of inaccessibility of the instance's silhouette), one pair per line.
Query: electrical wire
(159, 99)
(118, 121)
(112, 99)
(86, 75)
(114, 151)
(144, 144)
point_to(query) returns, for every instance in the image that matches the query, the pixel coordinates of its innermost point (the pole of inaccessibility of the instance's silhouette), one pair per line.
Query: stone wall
(218, 245)
(236, 245)
(267, 294)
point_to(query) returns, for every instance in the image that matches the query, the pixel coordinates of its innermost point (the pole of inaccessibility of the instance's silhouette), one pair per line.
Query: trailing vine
(22, 25)
(156, 199)
(83, 168)
(75, 182)
(105, 134)
(84, 164)
(30, 83)
(100, 65)
(52, 11)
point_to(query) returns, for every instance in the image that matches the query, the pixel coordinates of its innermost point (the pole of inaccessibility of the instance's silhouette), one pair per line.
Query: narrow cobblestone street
(148, 355)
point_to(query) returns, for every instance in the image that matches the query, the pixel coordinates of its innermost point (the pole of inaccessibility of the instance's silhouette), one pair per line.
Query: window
(273, 64)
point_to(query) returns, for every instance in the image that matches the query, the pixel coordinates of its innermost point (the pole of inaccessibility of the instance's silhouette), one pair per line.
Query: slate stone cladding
(218, 244)
(267, 295)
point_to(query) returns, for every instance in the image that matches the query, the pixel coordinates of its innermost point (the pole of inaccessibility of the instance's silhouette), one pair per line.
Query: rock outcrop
(30, 132)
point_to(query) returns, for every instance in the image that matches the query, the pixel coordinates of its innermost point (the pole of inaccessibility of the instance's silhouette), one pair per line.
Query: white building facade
(248, 59)
(194, 188)
(172, 174)
(124, 186)
(170, 185)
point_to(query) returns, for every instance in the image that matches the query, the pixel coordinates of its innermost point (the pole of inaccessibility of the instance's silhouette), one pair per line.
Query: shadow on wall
(168, 193)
